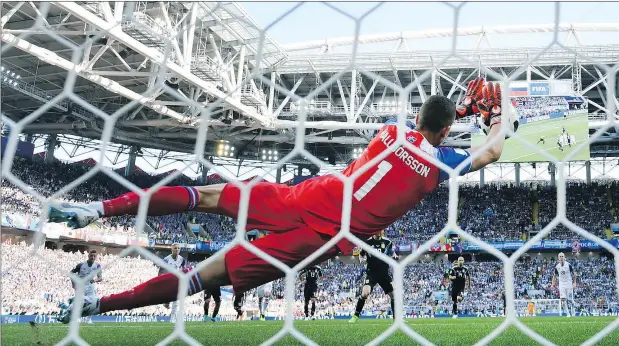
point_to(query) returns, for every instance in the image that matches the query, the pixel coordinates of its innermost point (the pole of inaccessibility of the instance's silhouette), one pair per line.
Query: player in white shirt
(264, 294)
(178, 263)
(85, 269)
(567, 278)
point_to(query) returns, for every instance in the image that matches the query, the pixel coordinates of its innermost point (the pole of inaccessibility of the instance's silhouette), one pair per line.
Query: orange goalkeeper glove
(490, 104)
(473, 94)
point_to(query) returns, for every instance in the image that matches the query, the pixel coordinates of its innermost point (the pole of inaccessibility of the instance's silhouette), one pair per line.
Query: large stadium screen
(554, 125)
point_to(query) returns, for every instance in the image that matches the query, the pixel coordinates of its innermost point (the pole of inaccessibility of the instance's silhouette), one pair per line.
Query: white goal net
(534, 307)
(206, 89)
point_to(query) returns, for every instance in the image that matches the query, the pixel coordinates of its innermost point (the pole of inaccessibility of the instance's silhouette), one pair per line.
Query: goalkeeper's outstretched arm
(490, 154)
(489, 106)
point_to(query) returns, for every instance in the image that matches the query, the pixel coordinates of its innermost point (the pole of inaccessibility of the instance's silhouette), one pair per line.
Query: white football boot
(75, 215)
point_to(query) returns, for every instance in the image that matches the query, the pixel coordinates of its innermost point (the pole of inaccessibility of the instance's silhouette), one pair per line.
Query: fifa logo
(540, 89)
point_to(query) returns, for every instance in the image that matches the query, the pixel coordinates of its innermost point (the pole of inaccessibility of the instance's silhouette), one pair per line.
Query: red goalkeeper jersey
(384, 192)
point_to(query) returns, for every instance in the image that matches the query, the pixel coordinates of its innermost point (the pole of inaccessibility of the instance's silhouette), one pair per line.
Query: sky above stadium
(317, 21)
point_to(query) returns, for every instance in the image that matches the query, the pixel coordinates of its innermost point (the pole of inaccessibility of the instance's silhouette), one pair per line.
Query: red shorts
(273, 208)
(247, 271)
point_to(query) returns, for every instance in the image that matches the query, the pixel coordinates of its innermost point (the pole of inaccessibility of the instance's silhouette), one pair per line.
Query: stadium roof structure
(481, 33)
(161, 67)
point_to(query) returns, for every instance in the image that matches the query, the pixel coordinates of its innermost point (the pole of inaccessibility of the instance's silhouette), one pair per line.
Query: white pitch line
(542, 128)
(539, 128)
(545, 126)
(540, 151)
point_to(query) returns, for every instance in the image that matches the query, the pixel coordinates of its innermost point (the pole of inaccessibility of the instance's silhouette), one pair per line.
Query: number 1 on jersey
(383, 168)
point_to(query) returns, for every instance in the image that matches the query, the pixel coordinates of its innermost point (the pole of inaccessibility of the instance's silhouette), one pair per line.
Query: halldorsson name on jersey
(404, 155)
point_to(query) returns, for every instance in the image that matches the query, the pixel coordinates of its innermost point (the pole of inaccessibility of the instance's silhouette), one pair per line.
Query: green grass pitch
(516, 151)
(444, 332)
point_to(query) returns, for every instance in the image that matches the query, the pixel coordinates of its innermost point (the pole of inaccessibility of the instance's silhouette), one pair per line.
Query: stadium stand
(38, 284)
(587, 207)
(528, 107)
(206, 86)
(31, 289)
(492, 213)
(499, 213)
(496, 212)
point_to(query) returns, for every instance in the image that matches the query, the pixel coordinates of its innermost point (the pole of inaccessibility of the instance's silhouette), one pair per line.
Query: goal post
(537, 307)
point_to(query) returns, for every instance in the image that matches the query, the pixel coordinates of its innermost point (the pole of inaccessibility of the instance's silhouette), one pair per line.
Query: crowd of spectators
(47, 179)
(492, 213)
(587, 206)
(496, 212)
(529, 107)
(595, 286)
(424, 221)
(37, 284)
(614, 190)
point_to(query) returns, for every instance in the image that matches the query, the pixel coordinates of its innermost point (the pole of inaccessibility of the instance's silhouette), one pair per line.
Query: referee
(460, 279)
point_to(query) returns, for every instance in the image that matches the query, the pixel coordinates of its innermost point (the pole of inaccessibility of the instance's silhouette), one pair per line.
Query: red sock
(159, 290)
(167, 200)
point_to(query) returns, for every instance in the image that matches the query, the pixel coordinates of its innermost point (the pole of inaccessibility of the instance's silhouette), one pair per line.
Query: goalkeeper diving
(301, 219)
